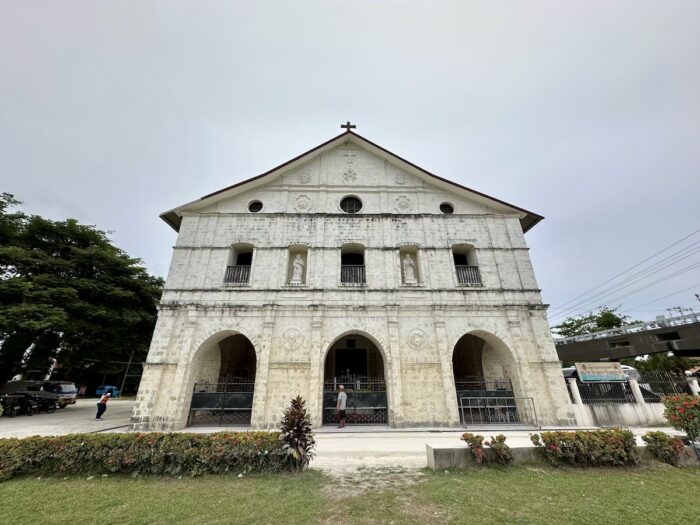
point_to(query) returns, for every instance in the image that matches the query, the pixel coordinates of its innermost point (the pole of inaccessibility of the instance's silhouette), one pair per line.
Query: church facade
(350, 265)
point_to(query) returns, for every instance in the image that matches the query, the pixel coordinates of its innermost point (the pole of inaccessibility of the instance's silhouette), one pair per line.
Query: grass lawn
(522, 495)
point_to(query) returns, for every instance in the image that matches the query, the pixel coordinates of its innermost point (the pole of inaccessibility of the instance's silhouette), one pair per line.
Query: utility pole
(126, 372)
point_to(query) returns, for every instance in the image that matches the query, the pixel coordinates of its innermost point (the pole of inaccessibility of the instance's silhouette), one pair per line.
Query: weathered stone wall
(292, 327)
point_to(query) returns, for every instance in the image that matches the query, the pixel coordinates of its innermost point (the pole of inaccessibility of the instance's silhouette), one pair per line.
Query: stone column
(259, 416)
(180, 392)
(316, 369)
(445, 353)
(393, 357)
(694, 387)
(573, 387)
(636, 391)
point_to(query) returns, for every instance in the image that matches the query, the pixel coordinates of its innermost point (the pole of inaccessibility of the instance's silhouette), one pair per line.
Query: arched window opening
(466, 266)
(410, 266)
(356, 363)
(352, 264)
(351, 204)
(224, 383)
(240, 261)
(297, 263)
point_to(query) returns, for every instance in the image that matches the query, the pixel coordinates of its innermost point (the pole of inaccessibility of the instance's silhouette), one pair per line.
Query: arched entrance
(484, 374)
(224, 382)
(357, 363)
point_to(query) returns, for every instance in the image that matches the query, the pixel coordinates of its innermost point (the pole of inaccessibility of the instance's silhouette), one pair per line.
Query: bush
(588, 449)
(683, 412)
(476, 445)
(664, 447)
(172, 454)
(502, 451)
(296, 435)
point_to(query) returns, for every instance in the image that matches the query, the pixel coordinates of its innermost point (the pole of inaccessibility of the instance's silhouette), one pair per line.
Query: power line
(671, 294)
(629, 269)
(639, 276)
(636, 290)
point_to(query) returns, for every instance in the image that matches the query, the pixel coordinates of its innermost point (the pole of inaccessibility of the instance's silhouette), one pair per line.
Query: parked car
(63, 393)
(106, 388)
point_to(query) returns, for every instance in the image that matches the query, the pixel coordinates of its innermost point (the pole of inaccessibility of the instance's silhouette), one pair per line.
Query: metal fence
(366, 403)
(480, 383)
(221, 404)
(497, 410)
(658, 383)
(468, 275)
(237, 274)
(601, 393)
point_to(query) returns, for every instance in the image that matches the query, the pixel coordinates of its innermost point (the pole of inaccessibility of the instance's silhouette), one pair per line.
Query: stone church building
(350, 265)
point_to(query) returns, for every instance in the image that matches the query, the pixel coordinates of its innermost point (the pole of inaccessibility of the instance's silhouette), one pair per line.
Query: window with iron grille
(351, 204)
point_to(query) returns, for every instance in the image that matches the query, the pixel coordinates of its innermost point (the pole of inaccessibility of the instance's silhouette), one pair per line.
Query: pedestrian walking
(340, 405)
(102, 405)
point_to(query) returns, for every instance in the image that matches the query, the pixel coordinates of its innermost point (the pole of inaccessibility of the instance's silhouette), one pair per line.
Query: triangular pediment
(315, 181)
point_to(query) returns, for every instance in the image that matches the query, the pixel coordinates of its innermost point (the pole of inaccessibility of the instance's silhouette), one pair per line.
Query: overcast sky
(587, 112)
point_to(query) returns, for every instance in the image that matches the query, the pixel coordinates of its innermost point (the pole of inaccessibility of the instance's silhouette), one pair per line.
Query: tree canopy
(604, 318)
(67, 293)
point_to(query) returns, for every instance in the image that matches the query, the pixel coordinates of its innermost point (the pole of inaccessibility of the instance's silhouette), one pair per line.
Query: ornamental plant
(664, 447)
(502, 451)
(683, 412)
(153, 453)
(296, 435)
(476, 446)
(596, 448)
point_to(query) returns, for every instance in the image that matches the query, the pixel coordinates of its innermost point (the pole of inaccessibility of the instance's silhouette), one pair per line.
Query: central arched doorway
(224, 382)
(356, 363)
(484, 375)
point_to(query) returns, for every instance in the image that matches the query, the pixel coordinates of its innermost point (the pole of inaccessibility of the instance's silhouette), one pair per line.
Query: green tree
(67, 293)
(604, 318)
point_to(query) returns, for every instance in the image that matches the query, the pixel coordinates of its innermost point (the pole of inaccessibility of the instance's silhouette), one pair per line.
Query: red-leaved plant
(683, 412)
(476, 445)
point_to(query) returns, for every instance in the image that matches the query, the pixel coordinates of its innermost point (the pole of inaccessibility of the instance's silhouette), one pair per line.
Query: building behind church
(350, 265)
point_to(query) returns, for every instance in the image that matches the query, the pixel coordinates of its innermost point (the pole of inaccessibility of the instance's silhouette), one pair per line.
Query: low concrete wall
(620, 414)
(460, 457)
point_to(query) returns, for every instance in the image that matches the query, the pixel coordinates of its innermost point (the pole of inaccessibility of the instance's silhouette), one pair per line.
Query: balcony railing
(468, 275)
(352, 274)
(237, 274)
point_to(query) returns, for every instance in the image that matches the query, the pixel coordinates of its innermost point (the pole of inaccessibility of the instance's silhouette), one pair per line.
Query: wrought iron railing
(221, 403)
(352, 274)
(239, 274)
(497, 410)
(658, 383)
(366, 400)
(358, 383)
(468, 275)
(603, 393)
(481, 383)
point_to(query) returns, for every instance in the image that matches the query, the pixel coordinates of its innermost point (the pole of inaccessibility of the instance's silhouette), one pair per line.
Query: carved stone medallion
(292, 338)
(400, 178)
(350, 175)
(403, 204)
(302, 203)
(417, 339)
(304, 177)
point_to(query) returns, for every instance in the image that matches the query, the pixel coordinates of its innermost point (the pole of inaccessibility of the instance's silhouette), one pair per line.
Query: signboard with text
(600, 372)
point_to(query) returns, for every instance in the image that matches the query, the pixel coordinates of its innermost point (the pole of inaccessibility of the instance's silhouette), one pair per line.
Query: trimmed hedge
(589, 448)
(173, 454)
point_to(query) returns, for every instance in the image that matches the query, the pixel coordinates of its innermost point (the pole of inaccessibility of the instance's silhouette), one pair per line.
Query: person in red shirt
(102, 405)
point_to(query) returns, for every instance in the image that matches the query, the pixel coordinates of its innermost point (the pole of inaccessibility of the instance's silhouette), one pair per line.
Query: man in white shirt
(340, 405)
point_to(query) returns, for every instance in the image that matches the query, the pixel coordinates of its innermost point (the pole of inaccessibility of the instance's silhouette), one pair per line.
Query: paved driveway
(72, 419)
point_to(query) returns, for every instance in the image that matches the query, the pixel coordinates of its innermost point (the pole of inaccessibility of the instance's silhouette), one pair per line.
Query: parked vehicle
(106, 388)
(19, 403)
(63, 393)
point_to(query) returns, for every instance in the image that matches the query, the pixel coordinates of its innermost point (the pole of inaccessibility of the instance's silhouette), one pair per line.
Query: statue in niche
(409, 270)
(297, 270)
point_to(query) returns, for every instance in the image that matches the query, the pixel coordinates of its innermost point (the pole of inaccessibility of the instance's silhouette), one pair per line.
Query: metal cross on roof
(347, 126)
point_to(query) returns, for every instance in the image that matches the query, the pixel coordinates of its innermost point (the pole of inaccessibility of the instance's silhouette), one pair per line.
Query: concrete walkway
(72, 419)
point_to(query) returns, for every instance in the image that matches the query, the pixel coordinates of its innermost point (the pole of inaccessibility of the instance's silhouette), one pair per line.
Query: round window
(447, 208)
(254, 206)
(351, 204)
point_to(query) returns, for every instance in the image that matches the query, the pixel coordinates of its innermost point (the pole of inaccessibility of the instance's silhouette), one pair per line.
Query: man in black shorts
(340, 405)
